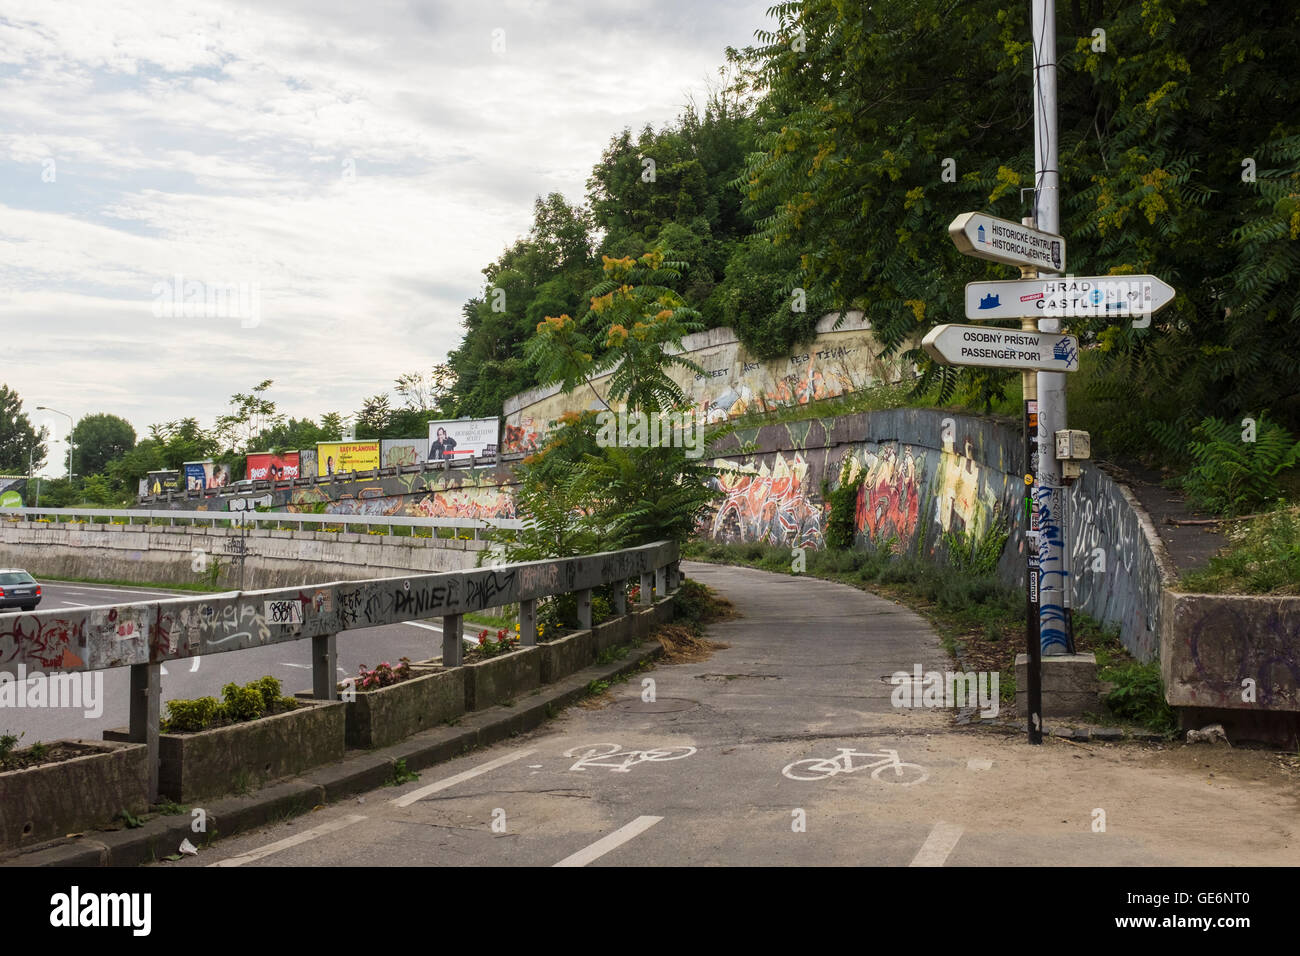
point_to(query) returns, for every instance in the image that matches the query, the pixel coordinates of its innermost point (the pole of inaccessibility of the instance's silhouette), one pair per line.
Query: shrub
(190, 716)
(242, 703)
(1232, 476)
(842, 517)
(1139, 694)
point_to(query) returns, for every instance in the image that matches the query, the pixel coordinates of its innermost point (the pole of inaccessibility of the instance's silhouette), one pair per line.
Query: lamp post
(46, 408)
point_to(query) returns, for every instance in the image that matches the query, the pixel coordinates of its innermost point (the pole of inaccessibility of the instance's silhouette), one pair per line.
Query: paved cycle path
(785, 749)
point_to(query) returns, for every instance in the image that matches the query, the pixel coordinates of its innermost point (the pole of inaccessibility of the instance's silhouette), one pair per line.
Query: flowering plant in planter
(503, 644)
(385, 675)
(634, 594)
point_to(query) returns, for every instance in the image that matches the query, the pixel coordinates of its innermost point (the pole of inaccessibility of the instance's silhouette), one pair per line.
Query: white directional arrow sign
(1002, 348)
(1002, 240)
(1074, 297)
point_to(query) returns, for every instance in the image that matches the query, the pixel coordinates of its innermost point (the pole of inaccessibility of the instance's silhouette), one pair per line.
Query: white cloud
(211, 140)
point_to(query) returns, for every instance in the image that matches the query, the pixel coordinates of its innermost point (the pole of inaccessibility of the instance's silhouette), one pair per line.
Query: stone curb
(359, 772)
(1099, 735)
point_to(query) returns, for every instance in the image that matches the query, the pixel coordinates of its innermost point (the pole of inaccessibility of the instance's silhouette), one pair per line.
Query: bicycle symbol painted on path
(883, 766)
(622, 761)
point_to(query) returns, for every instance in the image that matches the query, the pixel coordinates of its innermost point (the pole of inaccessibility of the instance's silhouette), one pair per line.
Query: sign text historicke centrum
(1002, 240)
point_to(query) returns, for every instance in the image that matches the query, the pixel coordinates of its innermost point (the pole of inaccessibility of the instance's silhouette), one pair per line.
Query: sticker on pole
(1002, 348)
(283, 612)
(1002, 240)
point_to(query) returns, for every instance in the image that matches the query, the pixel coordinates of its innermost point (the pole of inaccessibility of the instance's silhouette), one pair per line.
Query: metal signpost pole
(1034, 685)
(1054, 636)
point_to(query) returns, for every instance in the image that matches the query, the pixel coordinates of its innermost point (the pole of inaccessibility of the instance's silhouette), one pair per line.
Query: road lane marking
(941, 841)
(305, 667)
(415, 795)
(610, 842)
(291, 841)
(75, 604)
(430, 627)
(56, 584)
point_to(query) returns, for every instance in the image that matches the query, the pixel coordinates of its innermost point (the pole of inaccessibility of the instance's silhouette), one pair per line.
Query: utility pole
(1054, 632)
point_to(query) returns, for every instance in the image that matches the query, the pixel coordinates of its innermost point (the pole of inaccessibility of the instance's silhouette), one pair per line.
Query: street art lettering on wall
(474, 494)
(836, 363)
(889, 498)
(769, 504)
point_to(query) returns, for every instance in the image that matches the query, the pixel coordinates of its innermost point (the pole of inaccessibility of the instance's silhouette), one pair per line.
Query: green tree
(251, 414)
(99, 439)
(19, 441)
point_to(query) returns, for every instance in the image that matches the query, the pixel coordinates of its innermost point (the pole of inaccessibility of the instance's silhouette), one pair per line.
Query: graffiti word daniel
(84, 691)
(656, 430)
(946, 689)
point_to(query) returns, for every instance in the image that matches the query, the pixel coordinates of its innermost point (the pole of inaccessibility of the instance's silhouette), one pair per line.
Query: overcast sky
(353, 166)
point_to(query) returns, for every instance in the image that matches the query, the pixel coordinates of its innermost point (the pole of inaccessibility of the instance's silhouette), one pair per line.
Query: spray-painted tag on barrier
(283, 612)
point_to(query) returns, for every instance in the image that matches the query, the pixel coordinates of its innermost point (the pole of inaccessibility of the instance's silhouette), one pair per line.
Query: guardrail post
(647, 582)
(620, 598)
(661, 581)
(146, 707)
(528, 623)
(324, 666)
(453, 646)
(584, 609)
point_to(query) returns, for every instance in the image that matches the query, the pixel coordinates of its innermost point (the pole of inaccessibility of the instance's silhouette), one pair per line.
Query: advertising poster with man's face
(463, 438)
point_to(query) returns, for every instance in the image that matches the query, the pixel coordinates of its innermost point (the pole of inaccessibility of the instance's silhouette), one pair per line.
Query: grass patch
(1262, 557)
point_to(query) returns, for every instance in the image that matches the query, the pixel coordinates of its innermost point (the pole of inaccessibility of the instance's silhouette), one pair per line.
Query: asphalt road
(202, 676)
(741, 759)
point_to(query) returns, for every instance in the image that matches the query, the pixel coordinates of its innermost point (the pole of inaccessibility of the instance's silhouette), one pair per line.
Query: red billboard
(263, 466)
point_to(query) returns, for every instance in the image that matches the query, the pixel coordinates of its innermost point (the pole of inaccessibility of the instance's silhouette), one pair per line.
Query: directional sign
(1005, 241)
(1074, 297)
(1002, 348)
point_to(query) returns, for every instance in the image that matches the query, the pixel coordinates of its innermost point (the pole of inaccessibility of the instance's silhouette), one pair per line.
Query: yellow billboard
(339, 458)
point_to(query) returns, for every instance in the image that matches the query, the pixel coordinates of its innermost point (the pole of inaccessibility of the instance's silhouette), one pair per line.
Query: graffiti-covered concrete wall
(923, 473)
(926, 473)
(840, 360)
(453, 493)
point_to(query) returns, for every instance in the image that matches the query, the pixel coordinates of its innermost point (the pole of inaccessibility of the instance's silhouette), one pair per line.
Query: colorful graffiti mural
(889, 499)
(767, 504)
(475, 494)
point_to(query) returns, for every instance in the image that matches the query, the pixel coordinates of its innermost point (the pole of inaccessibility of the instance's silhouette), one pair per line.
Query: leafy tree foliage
(19, 441)
(97, 440)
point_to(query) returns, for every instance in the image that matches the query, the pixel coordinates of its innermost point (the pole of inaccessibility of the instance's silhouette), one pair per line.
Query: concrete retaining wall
(184, 555)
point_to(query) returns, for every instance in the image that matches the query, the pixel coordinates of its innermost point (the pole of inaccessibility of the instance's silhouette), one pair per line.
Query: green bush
(269, 688)
(1139, 694)
(190, 716)
(242, 703)
(1232, 476)
(1262, 557)
(842, 518)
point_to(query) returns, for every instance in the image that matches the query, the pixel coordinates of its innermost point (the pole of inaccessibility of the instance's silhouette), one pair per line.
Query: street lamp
(46, 408)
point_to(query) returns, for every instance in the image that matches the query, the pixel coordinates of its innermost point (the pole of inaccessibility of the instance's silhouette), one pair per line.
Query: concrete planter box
(208, 763)
(615, 631)
(378, 718)
(502, 678)
(566, 656)
(50, 801)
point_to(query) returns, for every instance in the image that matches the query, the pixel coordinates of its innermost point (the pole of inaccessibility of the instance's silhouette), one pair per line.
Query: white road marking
(287, 842)
(974, 763)
(75, 604)
(941, 841)
(305, 667)
(56, 584)
(610, 842)
(430, 627)
(416, 795)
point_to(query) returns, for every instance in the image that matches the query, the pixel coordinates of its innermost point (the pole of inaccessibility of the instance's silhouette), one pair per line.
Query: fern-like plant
(1231, 475)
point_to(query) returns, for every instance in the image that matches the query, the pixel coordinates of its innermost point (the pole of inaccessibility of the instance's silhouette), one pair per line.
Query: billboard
(339, 458)
(463, 438)
(219, 476)
(197, 475)
(264, 466)
(307, 463)
(403, 451)
(11, 490)
(161, 482)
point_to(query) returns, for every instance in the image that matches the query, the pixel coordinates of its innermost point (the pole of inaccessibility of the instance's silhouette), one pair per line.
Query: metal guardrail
(254, 519)
(144, 635)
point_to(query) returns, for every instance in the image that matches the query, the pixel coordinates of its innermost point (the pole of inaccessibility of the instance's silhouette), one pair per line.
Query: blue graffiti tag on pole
(1052, 574)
